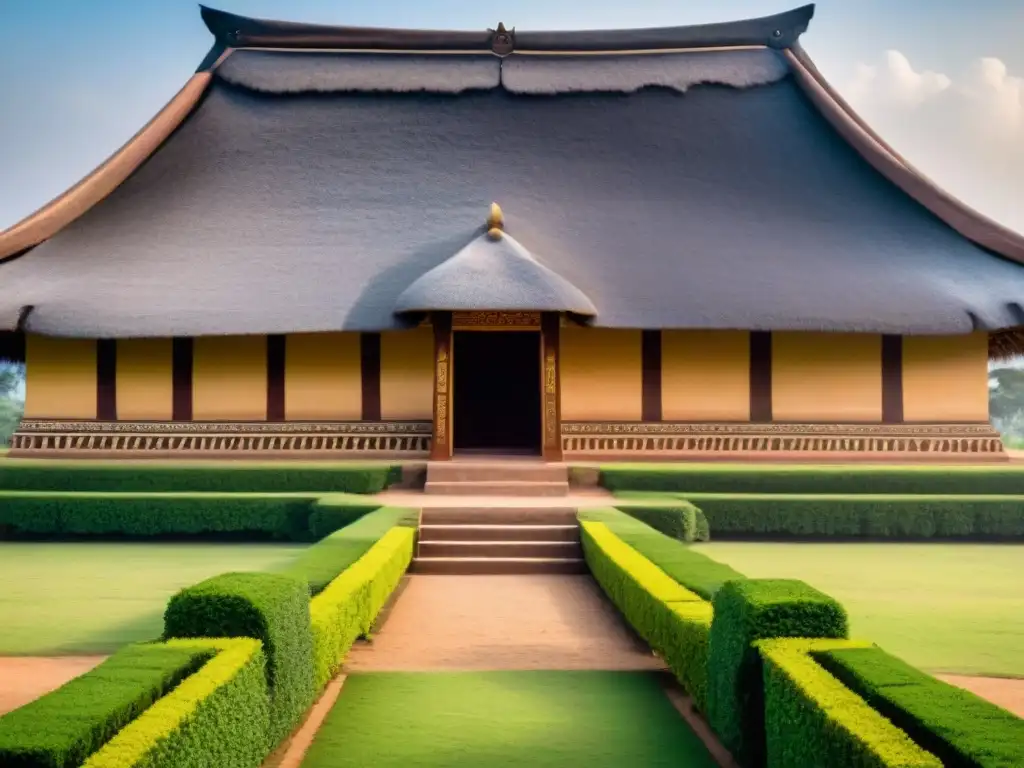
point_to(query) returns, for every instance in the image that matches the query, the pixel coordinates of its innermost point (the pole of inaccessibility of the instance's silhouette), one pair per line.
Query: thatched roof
(317, 178)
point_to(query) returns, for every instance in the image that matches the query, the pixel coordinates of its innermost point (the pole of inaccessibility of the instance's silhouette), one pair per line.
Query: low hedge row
(271, 608)
(62, 729)
(695, 571)
(220, 716)
(295, 516)
(811, 719)
(221, 477)
(744, 612)
(321, 563)
(857, 516)
(674, 621)
(837, 479)
(348, 606)
(962, 729)
(677, 519)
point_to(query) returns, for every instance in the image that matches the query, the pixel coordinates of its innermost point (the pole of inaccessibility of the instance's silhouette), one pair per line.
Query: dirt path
(502, 622)
(1007, 693)
(24, 679)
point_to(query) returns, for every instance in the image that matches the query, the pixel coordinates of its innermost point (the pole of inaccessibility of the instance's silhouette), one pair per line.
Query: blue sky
(943, 80)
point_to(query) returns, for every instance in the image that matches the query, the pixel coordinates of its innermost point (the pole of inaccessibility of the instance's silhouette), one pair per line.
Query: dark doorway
(497, 391)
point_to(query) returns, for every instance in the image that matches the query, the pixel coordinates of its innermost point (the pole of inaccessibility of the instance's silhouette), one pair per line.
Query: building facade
(697, 251)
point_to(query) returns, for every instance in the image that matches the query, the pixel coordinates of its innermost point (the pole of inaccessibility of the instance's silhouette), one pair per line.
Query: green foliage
(822, 479)
(964, 730)
(219, 716)
(321, 563)
(348, 606)
(858, 516)
(269, 607)
(72, 515)
(813, 721)
(674, 621)
(678, 519)
(222, 477)
(695, 571)
(331, 513)
(11, 411)
(64, 727)
(747, 611)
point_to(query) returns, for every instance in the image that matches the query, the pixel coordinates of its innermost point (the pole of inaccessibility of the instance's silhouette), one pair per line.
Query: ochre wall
(705, 376)
(407, 375)
(229, 378)
(945, 378)
(601, 374)
(323, 377)
(145, 379)
(826, 377)
(60, 378)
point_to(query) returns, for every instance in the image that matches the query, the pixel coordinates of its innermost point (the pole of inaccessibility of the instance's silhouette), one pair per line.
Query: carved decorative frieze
(35, 436)
(512, 321)
(682, 440)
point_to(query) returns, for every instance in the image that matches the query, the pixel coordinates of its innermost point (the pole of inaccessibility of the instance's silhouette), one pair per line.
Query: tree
(11, 408)
(1006, 399)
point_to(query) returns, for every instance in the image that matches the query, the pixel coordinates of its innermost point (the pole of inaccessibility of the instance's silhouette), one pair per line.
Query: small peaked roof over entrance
(494, 272)
(313, 178)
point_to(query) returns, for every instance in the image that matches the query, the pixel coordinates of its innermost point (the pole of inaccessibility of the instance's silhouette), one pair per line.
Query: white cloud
(965, 131)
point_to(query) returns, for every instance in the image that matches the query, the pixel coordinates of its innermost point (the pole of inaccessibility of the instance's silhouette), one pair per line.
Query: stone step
(496, 471)
(498, 516)
(479, 566)
(498, 488)
(484, 532)
(501, 549)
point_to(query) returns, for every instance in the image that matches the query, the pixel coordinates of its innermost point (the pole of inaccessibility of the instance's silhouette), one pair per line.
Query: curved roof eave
(112, 172)
(969, 222)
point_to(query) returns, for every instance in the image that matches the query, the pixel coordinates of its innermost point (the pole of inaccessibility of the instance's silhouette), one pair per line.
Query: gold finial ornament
(495, 222)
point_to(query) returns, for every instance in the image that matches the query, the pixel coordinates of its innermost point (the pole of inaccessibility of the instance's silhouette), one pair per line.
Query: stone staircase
(498, 540)
(497, 478)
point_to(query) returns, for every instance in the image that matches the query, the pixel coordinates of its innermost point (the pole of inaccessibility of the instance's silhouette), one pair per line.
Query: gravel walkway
(502, 622)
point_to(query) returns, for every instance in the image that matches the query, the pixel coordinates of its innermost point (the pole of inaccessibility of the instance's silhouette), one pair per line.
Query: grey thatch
(669, 190)
(493, 272)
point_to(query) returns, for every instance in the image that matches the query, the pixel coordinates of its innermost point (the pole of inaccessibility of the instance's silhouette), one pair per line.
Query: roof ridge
(777, 31)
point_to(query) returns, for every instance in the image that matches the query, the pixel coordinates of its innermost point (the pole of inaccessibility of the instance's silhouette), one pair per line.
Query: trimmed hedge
(61, 729)
(679, 520)
(673, 620)
(746, 611)
(269, 607)
(962, 729)
(692, 569)
(812, 720)
(348, 606)
(821, 479)
(321, 563)
(143, 515)
(221, 477)
(220, 716)
(858, 516)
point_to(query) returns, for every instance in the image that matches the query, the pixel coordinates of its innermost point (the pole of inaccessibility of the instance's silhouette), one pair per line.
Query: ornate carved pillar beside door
(441, 445)
(551, 387)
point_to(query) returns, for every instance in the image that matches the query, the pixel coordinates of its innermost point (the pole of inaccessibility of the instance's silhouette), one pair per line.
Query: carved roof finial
(503, 41)
(495, 222)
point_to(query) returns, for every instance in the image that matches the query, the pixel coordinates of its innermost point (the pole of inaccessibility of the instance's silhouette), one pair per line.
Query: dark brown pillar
(369, 353)
(551, 392)
(650, 354)
(275, 377)
(181, 363)
(892, 379)
(441, 447)
(761, 376)
(106, 379)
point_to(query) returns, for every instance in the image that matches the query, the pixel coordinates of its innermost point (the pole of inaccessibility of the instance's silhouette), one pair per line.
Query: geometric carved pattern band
(693, 440)
(44, 436)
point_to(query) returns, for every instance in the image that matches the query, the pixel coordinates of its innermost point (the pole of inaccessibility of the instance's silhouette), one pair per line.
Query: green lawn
(86, 598)
(942, 607)
(495, 719)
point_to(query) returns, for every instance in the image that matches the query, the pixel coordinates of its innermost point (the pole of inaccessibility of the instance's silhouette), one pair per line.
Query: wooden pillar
(441, 446)
(650, 354)
(369, 357)
(892, 379)
(106, 379)
(276, 351)
(182, 365)
(761, 377)
(551, 387)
